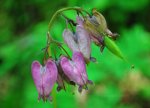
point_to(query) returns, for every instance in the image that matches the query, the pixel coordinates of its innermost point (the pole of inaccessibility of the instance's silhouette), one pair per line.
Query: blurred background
(23, 28)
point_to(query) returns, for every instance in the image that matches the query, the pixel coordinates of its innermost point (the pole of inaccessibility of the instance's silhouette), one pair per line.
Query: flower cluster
(88, 28)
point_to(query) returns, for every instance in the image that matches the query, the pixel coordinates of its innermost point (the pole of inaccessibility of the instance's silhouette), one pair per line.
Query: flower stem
(54, 99)
(55, 15)
(62, 10)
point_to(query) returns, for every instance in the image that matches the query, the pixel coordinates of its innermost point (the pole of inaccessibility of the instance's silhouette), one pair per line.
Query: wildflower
(75, 69)
(70, 40)
(80, 41)
(84, 41)
(62, 78)
(44, 78)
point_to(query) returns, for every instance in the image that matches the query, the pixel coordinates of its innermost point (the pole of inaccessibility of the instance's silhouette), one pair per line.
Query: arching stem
(52, 41)
(58, 12)
(65, 9)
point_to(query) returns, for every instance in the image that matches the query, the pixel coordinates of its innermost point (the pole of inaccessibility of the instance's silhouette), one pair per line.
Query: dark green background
(23, 28)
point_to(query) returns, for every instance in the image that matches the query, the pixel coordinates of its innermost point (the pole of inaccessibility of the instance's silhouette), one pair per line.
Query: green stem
(62, 10)
(54, 99)
(58, 12)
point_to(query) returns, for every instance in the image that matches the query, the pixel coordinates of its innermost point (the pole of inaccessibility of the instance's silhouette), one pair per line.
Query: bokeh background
(23, 28)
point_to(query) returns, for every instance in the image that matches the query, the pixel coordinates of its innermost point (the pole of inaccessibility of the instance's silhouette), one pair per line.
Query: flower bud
(44, 78)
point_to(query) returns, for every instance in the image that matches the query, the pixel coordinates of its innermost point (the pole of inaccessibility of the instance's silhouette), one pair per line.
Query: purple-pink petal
(69, 40)
(44, 77)
(36, 74)
(75, 69)
(84, 41)
(78, 59)
(68, 68)
(79, 21)
(50, 76)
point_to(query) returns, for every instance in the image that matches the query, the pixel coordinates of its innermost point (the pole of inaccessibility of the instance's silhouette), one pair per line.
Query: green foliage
(24, 26)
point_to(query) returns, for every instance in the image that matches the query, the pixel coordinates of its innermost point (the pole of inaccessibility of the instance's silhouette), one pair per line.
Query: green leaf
(112, 47)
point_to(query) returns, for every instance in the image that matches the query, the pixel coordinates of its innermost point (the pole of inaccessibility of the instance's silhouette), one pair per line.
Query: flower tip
(39, 98)
(80, 89)
(93, 59)
(50, 98)
(35, 63)
(44, 98)
(79, 20)
(90, 82)
(49, 60)
(59, 88)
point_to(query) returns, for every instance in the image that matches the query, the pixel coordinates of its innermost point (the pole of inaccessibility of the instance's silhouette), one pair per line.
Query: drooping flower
(44, 78)
(84, 41)
(62, 78)
(75, 69)
(69, 39)
(80, 41)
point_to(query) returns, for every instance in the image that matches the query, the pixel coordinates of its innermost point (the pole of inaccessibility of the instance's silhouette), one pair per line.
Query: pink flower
(62, 78)
(83, 37)
(80, 41)
(44, 78)
(69, 39)
(75, 69)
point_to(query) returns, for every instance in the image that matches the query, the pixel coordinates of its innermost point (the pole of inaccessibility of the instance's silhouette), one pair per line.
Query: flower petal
(36, 74)
(69, 40)
(79, 20)
(75, 69)
(49, 77)
(68, 68)
(84, 41)
(80, 66)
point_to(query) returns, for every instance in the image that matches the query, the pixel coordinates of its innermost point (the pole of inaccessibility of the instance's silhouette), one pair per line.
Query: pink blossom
(44, 78)
(80, 41)
(75, 69)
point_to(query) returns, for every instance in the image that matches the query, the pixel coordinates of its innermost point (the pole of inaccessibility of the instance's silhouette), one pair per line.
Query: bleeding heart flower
(44, 78)
(69, 39)
(80, 41)
(62, 78)
(83, 37)
(75, 69)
